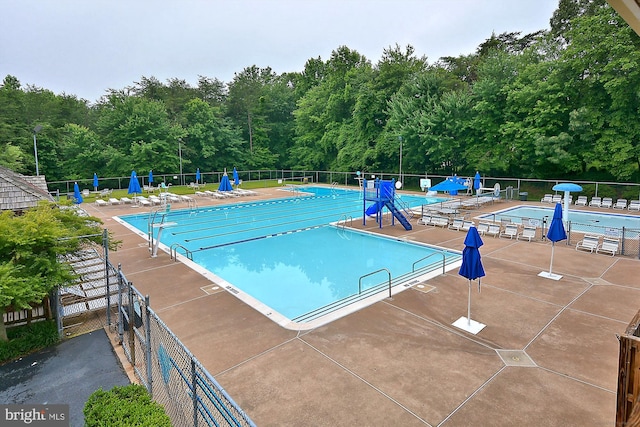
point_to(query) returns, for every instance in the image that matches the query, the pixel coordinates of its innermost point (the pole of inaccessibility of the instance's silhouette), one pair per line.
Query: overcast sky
(84, 47)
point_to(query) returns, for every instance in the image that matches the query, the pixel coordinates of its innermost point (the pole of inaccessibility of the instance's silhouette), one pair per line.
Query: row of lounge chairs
(145, 201)
(225, 194)
(592, 243)
(607, 202)
(509, 230)
(554, 198)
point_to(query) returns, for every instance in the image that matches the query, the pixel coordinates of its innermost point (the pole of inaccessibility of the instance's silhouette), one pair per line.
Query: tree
(30, 246)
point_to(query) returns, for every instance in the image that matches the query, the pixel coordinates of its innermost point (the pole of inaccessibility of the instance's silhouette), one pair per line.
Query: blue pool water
(578, 218)
(285, 255)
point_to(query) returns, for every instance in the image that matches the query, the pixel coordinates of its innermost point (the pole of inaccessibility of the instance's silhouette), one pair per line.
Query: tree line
(561, 103)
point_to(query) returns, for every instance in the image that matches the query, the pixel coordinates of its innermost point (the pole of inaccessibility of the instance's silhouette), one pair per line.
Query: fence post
(147, 322)
(132, 320)
(105, 245)
(194, 394)
(120, 286)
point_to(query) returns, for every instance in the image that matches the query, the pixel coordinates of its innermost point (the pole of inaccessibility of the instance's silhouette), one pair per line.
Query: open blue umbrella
(198, 176)
(555, 234)
(150, 176)
(76, 194)
(236, 179)
(225, 184)
(95, 182)
(472, 269)
(449, 185)
(134, 185)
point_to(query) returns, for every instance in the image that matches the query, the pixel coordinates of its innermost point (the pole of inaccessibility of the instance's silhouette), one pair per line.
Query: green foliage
(26, 339)
(129, 405)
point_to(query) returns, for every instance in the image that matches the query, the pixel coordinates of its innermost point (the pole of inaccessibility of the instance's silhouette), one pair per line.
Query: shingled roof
(19, 192)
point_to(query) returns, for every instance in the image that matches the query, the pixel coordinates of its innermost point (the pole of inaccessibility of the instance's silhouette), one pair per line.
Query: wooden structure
(628, 406)
(19, 192)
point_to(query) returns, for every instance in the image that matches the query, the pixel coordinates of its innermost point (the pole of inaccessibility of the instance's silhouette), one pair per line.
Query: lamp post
(180, 155)
(35, 147)
(400, 168)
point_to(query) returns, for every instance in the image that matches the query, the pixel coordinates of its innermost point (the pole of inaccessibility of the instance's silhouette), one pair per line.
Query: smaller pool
(580, 220)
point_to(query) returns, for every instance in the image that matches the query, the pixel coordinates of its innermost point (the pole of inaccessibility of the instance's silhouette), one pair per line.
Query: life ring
(496, 190)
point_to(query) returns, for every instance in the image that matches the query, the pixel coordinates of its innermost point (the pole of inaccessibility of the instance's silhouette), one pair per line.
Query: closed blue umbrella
(472, 269)
(134, 185)
(236, 178)
(225, 184)
(76, 194)
(95, 182)
(198, 176)
(476, 181)
(555, 234)
(150, 177)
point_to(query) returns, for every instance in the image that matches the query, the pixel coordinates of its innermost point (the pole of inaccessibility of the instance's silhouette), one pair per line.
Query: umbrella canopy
(471, 267)
(448, 185)
(476, 181)
(150, 176)
(225, 184)
(95, 182)
(197, 175)
(236, 179)
(76, 194)
(134, 185)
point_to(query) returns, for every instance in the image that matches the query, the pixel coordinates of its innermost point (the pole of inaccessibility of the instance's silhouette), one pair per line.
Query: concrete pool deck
(548, 355)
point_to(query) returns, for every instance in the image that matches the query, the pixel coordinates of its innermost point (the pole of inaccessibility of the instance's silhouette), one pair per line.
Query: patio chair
(424, 220)
(596, 202)
(528, 233)
(114, 201)
(101, 202)
(456, 224)
(510, 231)
(548, 198)
(608, 245)
(439, 221)
(588, 243)
(582, 201)
(634, 205)
(466, 225)
(494, 230)
(557, 198)
(126, 200)
(607, 202)
(620, 204)
(483, 227)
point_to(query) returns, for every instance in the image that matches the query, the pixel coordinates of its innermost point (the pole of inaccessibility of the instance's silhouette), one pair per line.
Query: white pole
(469, 307)
(566, 208)
(551, 264)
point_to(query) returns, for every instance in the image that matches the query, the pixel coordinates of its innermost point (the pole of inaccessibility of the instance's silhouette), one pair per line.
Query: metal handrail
(444, 258)
(372, 273)
(344, 222)
(173, 252)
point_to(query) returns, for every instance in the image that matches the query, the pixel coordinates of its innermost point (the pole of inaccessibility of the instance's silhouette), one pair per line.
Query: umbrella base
(551, 276)
(470, 326)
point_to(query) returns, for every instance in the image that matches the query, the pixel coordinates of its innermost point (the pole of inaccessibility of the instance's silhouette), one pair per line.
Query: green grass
(27, 339)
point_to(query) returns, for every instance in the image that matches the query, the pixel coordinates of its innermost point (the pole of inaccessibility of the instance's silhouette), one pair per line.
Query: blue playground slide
(376, 207)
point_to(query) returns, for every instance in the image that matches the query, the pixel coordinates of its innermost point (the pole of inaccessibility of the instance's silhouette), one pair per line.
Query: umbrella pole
(551, 263)
(469, 306)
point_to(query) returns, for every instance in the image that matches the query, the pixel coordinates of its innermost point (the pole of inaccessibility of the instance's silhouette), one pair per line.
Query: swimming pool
(580, 220)
(286, 259)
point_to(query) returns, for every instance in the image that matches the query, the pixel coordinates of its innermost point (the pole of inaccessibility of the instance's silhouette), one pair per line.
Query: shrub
(27, 339)
(128, 405)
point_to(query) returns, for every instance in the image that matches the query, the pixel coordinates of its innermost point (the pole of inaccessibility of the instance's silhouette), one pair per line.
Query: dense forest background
(562, 103)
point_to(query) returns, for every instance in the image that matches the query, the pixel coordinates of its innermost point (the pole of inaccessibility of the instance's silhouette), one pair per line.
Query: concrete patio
(547, 357)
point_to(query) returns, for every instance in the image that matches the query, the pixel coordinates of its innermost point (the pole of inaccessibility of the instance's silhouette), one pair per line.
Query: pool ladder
(342, 225)
(173, 250)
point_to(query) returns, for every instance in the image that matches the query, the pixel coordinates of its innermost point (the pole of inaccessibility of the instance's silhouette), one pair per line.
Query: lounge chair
(510, 231)
(466, 225)
(143, 201)
(101, 202)
(155, 200)
(494, 230)
(582, 201)
(424, 220)
(596, 202)
(634, 205)
(126, 200)
(439, 221)
(456, 224)
(607, 202)
(528, 233)
(114, 201)
(620, 204)
(482, 228)
(557, 198)
(608, 245)
(588, 243)
(548, 198)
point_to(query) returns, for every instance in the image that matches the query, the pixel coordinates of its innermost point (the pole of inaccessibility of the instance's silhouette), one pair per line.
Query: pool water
(286, 259)
(577, 217)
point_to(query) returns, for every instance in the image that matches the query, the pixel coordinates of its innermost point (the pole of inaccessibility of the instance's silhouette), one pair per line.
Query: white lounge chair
(482, 228)
(510, 231)
(548, 198)
(456, 224)
(142, 201)
(607, 202)
(494, 230)
(620, 204)
(634, 205)
(608, 245)
(588, 243)
(439, 221)
(126, 200)
(582, 201)
(596, 202)
(557, 198)
(466, 225)
(424, 220)
(101, 202)
(528, 233)
(114, 201)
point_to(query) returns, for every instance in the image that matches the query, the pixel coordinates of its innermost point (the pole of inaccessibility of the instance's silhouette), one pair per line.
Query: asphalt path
(66, 373)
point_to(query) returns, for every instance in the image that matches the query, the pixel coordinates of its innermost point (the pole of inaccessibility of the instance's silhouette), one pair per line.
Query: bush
(27, 339)
(128, 405)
